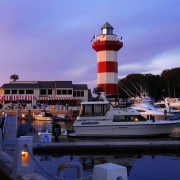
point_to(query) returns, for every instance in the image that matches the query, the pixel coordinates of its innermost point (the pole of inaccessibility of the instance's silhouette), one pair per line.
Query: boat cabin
(94, 108)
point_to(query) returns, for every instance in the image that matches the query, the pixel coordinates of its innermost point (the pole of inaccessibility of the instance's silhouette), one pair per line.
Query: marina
(57, 130)
(55, 137)
(68, 144)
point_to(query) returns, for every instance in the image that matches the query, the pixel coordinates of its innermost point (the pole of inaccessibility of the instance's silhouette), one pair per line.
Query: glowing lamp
(136, 119)
(25, 158)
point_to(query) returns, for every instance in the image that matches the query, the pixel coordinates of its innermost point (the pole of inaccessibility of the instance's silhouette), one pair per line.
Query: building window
(21, 91)
(78, 93)
(70, 92)
(43, 92)
(49, 91)
(29, 91)
(14, 91)
(64, 92)
(74, 94)
(82, 93)
(6, 91)
(58, 92)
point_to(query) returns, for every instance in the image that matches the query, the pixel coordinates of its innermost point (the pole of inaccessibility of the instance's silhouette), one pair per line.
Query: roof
(63, 84)
(20, 84)
(80, 87)
(44, 84)
(106, 25)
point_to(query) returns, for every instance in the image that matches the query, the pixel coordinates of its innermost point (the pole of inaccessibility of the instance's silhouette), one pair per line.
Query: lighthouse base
(110, 89)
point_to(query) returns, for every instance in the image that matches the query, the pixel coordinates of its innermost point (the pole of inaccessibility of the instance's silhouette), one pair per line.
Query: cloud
(156, 65)
(50, 40)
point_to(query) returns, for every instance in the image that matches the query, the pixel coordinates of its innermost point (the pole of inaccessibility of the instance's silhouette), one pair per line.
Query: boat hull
(41, 118)
(126, 129)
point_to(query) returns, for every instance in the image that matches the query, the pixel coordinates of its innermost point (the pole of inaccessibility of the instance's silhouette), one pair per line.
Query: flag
(93, 38)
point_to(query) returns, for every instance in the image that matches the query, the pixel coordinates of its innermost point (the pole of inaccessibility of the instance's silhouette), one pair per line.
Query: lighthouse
(107, 46)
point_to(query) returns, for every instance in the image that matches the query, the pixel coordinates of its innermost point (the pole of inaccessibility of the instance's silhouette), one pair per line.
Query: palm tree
(14, 77)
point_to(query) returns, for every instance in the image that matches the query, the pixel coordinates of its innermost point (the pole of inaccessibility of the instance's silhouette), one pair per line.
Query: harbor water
(139, 166)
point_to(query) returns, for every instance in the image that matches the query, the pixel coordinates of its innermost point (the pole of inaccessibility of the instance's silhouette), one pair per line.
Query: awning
(17, 98)
(7, 98)
(30, 98)
(67, 98)
(22, 98)
(14, 98)
(53, 98)
(43, 98)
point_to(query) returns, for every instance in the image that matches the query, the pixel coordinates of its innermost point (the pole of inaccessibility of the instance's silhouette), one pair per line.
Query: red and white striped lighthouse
(107, 46)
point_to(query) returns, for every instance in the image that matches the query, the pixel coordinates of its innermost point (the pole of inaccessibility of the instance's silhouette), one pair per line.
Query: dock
(68, 145)
(76, 145)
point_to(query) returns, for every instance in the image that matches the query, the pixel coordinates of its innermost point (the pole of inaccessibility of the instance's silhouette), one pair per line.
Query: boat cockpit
(94, 109)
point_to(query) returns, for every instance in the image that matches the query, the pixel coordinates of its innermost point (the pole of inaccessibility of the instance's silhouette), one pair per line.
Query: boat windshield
(93, 109)
(131, 118)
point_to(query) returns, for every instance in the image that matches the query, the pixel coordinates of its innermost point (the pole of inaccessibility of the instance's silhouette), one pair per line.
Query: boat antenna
(141, 88)
(136, 88)
(125, 91)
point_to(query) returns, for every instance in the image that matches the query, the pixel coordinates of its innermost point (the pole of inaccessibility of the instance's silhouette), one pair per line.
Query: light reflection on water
(140, 167)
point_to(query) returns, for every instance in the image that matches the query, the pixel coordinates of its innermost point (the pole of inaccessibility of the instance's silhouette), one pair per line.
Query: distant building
(49, 92)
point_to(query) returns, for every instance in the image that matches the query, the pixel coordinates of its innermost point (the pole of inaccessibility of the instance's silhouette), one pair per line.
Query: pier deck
(75, 145)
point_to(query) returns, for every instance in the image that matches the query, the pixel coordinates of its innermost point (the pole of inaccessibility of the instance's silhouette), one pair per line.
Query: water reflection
(139, 166)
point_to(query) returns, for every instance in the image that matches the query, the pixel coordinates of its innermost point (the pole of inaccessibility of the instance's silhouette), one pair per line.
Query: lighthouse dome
(107, 28)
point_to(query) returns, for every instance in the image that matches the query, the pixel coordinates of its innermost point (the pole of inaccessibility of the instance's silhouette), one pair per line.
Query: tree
(14, 77)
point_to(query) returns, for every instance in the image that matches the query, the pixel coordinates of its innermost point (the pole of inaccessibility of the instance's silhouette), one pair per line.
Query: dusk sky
(51, 39)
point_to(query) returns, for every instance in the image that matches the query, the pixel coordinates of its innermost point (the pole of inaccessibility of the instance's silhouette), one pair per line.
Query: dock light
(25, 158)
(136, 119)
(39, 133)
(23, 153)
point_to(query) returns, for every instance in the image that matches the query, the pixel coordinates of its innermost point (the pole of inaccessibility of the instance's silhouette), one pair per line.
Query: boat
(101, 119)
(173, 102)
(149, 109)
(43, 116)
(164, 106)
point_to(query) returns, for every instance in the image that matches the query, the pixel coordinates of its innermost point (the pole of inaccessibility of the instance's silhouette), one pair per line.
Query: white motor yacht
(100, 118)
